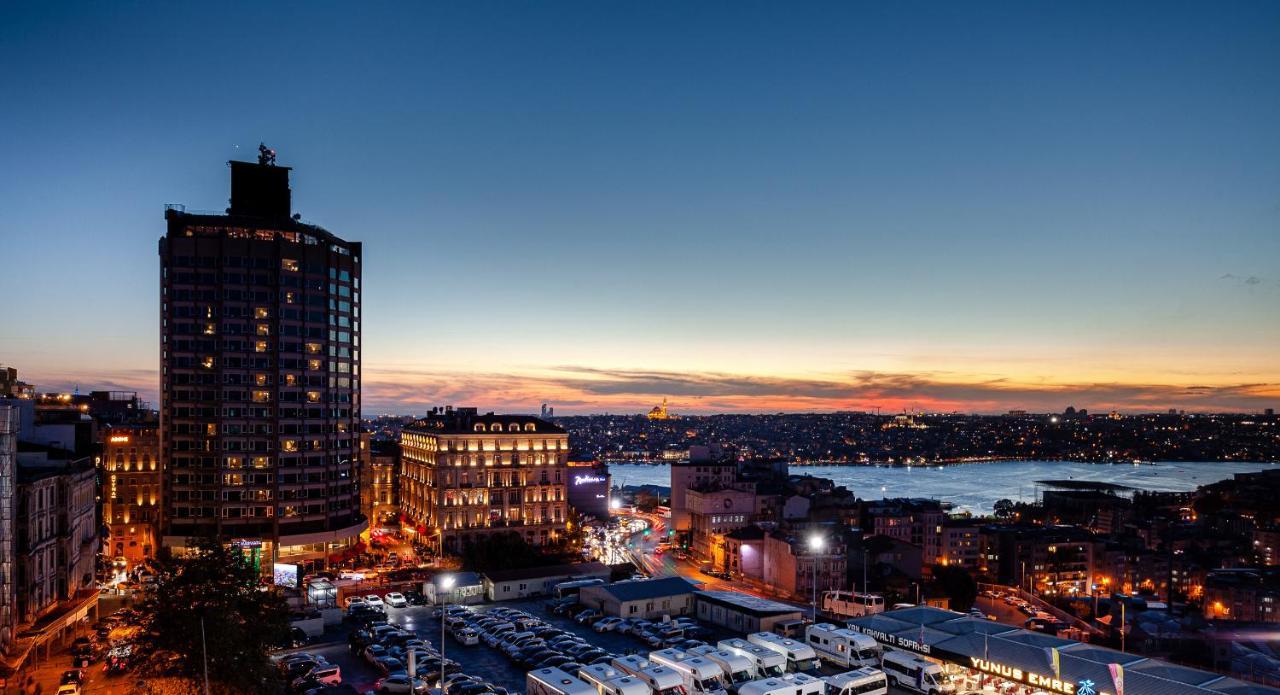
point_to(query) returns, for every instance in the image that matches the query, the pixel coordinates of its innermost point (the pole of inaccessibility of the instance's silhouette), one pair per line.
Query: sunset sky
(738, 206)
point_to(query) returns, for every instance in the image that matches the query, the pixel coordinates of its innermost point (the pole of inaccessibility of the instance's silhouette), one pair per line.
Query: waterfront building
(468, 476)
(260, 375)
(131, 488)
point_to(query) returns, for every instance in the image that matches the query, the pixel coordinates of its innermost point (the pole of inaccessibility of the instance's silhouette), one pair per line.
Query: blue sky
(744, 206)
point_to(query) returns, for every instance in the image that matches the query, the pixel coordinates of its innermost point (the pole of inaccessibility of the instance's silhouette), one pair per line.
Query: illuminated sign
(1014, 673)
(119, 439)
(588, 479)
(285, 575)
(904, 642)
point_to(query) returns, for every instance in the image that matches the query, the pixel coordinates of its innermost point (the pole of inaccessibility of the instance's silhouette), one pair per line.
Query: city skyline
(922, 209)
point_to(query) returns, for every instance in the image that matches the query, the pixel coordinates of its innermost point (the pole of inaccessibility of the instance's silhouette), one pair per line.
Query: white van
(553, 681)
(768, 663)
(790, 684)
(737, 668)
(842, 646)
(661, 680)
(631, 664)
(863, 681)
(701, 676)
(608, 680)
(906, 670)
(800, 656)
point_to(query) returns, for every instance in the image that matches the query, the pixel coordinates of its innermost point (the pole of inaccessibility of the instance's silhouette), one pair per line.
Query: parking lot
(487, 663)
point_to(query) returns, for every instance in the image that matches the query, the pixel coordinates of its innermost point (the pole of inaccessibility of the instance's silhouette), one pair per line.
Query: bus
(564, 590)
(851, 604)
(842, 646)
(906, 670)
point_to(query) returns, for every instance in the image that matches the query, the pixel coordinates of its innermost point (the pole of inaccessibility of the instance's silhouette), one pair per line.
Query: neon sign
(588, 479)
(1014, 673)
(119, 438)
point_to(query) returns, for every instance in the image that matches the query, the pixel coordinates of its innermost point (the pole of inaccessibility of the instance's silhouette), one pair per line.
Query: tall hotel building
(260, 375)
(466, 476)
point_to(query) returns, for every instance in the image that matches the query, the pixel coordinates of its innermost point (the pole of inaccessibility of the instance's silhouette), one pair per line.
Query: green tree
(957, 584)
(214, 589)
(508, 550)
(1003, 508)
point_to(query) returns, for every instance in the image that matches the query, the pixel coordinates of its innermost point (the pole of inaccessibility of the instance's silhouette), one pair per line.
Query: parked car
(587, 616)
(399, 683)
(396, 599)
(606, 624)
(375, 601)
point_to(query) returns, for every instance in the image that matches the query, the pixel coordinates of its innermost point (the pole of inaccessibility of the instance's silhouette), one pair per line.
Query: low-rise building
(961, 544)
(648, 599)
(915, 521)
(1245, 595)
(741, 612)
(792, 564)
(506, 585)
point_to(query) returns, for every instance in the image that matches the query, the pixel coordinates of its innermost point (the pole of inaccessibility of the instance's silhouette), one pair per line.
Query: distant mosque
(660, 412)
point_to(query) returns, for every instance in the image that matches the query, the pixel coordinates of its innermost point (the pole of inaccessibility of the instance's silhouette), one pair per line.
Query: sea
(975, 487)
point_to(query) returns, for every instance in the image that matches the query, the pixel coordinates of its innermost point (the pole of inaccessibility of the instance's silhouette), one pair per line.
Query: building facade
(791, 567)
(379, 481)
(468, 476)
(56, 531)
(10, 423)
(260, 375)
(131, 503)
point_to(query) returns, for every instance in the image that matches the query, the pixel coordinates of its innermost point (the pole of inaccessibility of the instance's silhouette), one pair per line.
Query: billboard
(286, 575)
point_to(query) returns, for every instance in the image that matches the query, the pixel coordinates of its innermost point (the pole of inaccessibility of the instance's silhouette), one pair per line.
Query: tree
(507, 550)
(957, 584)
(213, 588)
(1003, 508)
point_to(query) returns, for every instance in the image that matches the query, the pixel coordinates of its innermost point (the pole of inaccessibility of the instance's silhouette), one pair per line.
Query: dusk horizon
(860, 221)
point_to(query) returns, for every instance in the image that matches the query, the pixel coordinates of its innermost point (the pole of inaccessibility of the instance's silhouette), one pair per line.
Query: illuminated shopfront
(982, 655)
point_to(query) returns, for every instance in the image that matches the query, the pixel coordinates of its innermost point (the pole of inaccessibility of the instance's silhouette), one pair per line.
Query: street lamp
(446, 583)
(816, 543)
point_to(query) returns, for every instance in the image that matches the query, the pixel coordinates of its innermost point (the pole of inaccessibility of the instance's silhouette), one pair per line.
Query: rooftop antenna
(266, 155)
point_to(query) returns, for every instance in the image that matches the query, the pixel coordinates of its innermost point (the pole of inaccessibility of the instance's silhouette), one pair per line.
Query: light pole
(446, 583)
(816, 544)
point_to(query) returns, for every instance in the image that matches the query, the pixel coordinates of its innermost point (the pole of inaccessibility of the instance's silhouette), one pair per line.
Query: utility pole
(204, 656)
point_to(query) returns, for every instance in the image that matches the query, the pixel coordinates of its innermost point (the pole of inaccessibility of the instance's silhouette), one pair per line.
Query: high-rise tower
(259, 375)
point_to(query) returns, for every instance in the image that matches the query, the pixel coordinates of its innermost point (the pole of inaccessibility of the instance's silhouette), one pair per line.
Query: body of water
(975, 487)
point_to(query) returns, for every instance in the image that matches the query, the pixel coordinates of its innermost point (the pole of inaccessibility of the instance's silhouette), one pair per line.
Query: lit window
(260, 313)
(290, 298)
(234, 462)
(314, 348)
(289, 445)
(315, 365)
(264, 329)
(290, 380)
(261, 396)
(211, 430)
(210, 329)
(260, 346)
(261, 462)
(289, 264)
(313, 396)
(261, 379)
(207, 362)
(233, 479)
